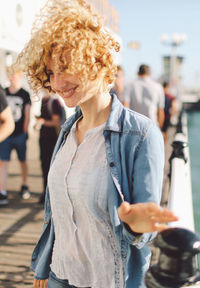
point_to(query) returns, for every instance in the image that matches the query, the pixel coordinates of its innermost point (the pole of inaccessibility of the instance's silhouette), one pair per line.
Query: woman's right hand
(39, 123)
(145, 217)
(40, 283)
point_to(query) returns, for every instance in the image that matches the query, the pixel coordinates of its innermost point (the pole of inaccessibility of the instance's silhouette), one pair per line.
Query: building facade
(108, 11)
(16, 18)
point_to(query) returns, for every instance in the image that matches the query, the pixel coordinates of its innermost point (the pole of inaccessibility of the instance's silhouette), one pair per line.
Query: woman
(105, 154)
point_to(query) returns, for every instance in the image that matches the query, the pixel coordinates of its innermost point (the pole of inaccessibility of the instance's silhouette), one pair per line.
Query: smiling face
(69, 87)
(15, 78)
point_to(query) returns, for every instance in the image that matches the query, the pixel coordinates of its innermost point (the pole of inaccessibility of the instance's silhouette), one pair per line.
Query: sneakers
(25, 193)
(3, 199)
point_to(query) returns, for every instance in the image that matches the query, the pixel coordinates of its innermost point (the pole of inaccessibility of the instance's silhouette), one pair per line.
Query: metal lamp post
(174, 41)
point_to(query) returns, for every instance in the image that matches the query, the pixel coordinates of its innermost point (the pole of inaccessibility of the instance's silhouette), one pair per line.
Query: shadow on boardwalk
(21, 220)
(21, 223)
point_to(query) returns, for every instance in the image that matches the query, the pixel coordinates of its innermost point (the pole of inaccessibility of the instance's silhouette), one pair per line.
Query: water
(194, 146)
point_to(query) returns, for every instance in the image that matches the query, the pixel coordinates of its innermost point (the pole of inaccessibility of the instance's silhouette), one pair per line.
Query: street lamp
(174, 41)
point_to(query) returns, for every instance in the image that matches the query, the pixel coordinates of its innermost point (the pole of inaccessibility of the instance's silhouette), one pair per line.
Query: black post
(177, 262)
(178, 146)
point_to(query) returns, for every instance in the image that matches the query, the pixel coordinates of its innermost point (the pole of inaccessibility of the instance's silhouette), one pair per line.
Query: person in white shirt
(104, 183)
(146, 96)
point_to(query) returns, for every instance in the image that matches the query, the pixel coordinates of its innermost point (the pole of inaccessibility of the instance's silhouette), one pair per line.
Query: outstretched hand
(145, 217)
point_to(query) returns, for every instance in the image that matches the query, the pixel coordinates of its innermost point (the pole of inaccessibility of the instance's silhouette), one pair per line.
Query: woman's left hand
(40, 283)
(145, 217)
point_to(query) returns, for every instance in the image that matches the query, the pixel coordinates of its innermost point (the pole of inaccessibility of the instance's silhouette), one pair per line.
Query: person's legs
(164, 130)
(46, 151)
(5, 150)
(24, 171)
(25, 193)
(3, 175)
(20, 146)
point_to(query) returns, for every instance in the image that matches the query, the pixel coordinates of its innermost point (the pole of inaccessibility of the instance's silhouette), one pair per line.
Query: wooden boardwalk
(21, 221)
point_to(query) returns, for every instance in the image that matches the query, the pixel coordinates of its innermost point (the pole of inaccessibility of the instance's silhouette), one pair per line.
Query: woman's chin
(70, 104)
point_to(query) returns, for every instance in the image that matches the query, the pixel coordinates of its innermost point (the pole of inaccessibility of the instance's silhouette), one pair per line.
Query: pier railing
(180, 194)
(179, 246)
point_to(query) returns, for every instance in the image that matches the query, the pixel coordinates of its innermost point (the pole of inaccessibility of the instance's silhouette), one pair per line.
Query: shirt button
(112, 164)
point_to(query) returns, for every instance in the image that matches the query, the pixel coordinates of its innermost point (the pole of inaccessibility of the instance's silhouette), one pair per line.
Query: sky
(145, 21)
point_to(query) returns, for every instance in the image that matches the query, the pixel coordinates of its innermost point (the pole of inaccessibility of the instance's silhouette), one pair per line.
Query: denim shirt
(135, 153)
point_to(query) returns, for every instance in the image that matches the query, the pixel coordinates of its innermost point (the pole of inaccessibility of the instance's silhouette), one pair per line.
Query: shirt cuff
(136, 239)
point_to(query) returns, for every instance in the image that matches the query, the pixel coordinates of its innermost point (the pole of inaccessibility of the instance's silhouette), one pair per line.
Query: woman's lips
(69, 92)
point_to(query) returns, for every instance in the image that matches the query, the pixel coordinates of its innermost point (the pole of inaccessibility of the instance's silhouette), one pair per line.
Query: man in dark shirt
(49, 124)
(6, 119)
(19, 102)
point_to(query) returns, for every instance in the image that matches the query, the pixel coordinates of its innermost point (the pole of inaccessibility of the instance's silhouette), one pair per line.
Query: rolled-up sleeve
(147, 178)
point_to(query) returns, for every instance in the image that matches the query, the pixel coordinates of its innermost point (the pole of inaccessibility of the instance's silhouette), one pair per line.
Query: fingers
(40, 283)
(152, 208)
(160, 217)
(159, 214)
(149, 208)
(43, 283)
(146, 215)
(36, 283)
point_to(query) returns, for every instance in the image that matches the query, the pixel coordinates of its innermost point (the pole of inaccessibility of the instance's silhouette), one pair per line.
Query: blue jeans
(54, 282)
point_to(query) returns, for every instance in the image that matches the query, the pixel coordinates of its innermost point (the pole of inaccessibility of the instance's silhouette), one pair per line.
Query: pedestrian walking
(48, 123)
(105, 180)
(19, 102)
(170, 109)
(146, 96)
(118, 86)
(6, 119)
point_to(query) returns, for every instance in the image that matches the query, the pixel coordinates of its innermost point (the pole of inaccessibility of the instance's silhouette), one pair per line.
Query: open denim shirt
(135, 154)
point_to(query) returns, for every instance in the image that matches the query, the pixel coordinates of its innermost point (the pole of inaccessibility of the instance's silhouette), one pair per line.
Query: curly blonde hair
(68, 27)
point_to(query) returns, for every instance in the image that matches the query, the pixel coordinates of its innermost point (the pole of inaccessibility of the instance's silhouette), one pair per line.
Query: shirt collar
(113, 123)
